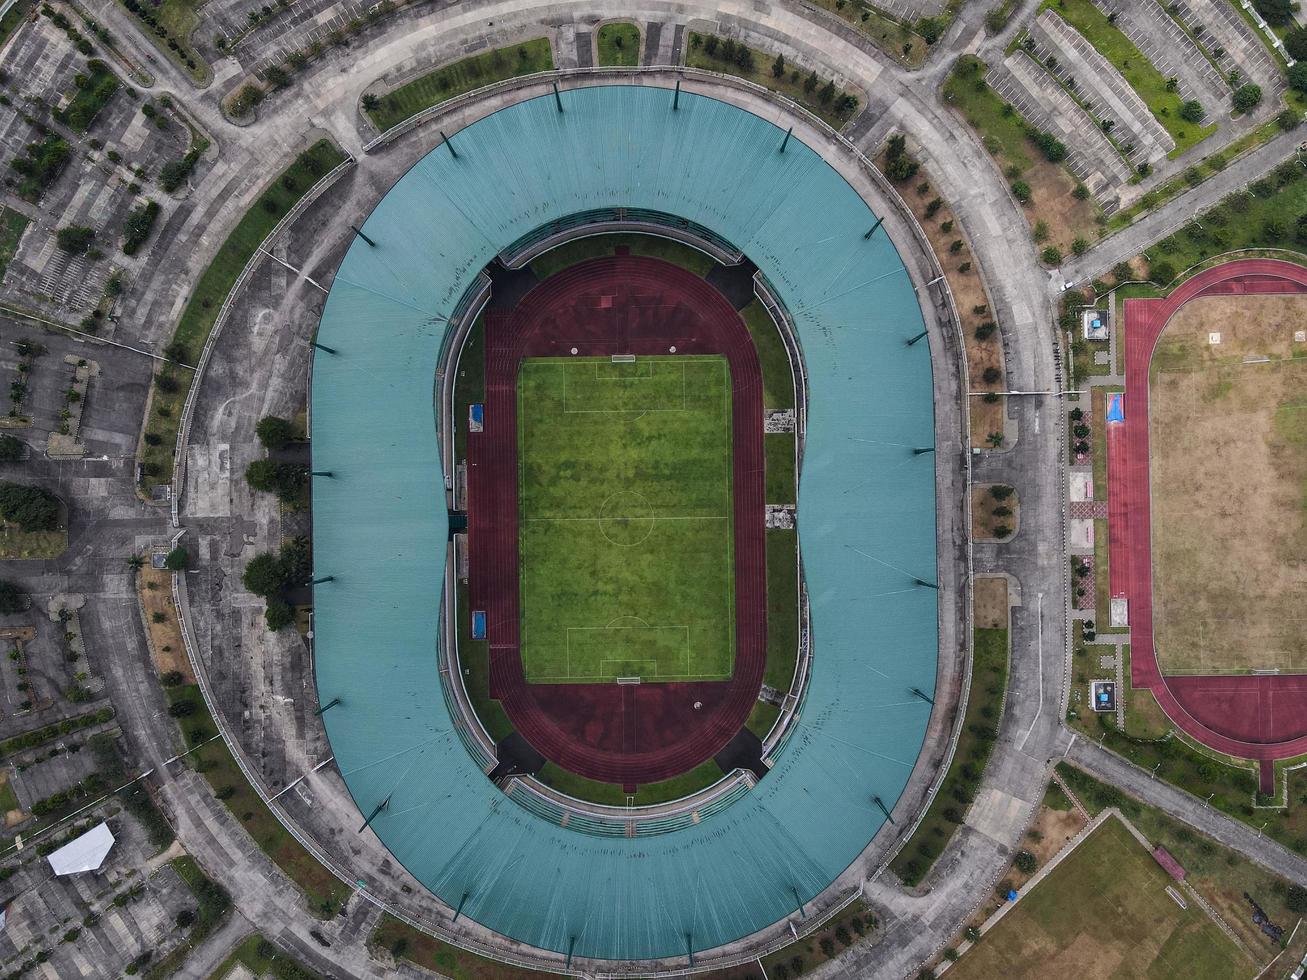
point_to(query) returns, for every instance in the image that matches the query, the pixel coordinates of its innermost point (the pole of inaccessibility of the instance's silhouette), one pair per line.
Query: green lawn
(782, 608)
(206, 300)
(626, 519)
(777, 375)
(956, 792)
(612, 794)
(463, 76)
(405, 942)
(15, 16)
(619, 45)
(596, 246)
(895, 38)
(31, 545)
(1146, 80)
(1105, 904)
(1002, 128)
(762, 718)
(93, 94)
(1261, 217)
(178, 19)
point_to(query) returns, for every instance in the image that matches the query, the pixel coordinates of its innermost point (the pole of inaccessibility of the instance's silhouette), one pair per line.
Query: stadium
(631, 775)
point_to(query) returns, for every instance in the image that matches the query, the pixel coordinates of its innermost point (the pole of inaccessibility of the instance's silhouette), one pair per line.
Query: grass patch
(264, 960)
(8, 798)
(1056, 799)
(895, 38)
(94, 90)
(213, 905)
(626, 480)
(833, 107)
(782, 608)
(778, 450)
(777, 374)
(619, 45)
(647, 794)
(461, 77)
(976, 742)
(1145, 79)
(762, 719)
(598, 246)
(1219, 874)
(324, 892)
(172, 21)
(201, 310)
(12, 18)
(31, 545)
(474, 658)
(1108, 895)
(1206, 167)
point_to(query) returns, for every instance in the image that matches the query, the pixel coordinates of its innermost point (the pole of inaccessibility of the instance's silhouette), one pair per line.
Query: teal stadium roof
(866, 518)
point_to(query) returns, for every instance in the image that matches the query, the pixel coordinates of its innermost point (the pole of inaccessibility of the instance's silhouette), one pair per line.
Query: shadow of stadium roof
(867, 523)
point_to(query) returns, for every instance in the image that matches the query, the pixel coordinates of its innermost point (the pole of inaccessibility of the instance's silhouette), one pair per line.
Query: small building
(85, 853)
(1102, 695)
(1169, 864)
(1093, 323)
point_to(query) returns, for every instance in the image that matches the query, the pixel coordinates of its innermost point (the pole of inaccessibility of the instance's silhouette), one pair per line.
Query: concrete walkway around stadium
(1031, 732)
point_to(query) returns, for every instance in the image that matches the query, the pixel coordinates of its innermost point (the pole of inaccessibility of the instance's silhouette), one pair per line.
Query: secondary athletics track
(629, 733)
(1250, 716)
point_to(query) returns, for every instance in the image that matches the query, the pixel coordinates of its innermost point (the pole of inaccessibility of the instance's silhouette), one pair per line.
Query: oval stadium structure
(867, 520)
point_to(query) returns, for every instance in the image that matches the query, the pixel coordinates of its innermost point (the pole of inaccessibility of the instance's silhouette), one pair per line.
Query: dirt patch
(1228, 437)
(992, 518)
(985, 353)
(1053, 203)
(991, 603)
(1056, 829)
(154, 586)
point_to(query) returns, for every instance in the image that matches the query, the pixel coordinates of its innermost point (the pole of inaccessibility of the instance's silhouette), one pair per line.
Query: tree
(31, 508)
(75, 239)
(1296, 899)
(995, 440)
(1288, 119)
(1025, 862)
(274, 432)
(286, 480)
(1295, 42)
(182, 708)
(778, 66)
(827, 93)
(177, 559)
(1080, 246)
(172, 678)
(371, 103)
(1192, 111)
(1052, 147)
(264, 575)
(1247, 97)
(12, 598)
(1122, 272)
(1161, 272)
(278, 615)
(184, 918)
(1298, 76)
(1021, 191)
(1052, 255)
(992, 375)
(1276, 12)
(810, 83)
(11, 449)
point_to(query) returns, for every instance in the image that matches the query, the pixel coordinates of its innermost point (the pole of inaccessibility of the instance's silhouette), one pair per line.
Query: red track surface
(1262, 717)
(616, 733)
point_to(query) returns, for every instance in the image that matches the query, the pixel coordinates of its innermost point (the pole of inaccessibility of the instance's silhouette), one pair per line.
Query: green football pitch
(625, 519)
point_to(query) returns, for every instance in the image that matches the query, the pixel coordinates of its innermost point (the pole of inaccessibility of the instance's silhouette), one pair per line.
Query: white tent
(85, 853)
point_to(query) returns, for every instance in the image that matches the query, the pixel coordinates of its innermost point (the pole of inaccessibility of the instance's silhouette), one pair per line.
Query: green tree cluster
(31, 508)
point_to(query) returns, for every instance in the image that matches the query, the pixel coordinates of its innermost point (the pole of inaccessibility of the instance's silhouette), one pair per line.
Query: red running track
(1254, 716)
(626, 734)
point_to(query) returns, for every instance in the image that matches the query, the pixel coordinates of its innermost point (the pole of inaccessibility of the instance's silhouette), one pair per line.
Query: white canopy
(85, 853)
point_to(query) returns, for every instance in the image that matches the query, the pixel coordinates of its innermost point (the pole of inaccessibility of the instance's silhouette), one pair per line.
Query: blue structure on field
(867, 519)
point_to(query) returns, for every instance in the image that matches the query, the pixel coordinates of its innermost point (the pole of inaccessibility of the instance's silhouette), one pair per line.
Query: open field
(1104, 913)
(462, 76)
(1229, 467)
(626, 519)
(12, 225)
(618, 44)
(991, 602)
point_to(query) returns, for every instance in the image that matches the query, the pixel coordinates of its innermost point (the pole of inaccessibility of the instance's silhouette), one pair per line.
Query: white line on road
(1039, 617)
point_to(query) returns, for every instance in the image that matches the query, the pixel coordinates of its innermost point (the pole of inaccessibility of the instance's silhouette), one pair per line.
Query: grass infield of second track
(626, 534)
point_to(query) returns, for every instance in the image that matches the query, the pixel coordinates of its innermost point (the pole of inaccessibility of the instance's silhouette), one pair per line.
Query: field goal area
(626, 526)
